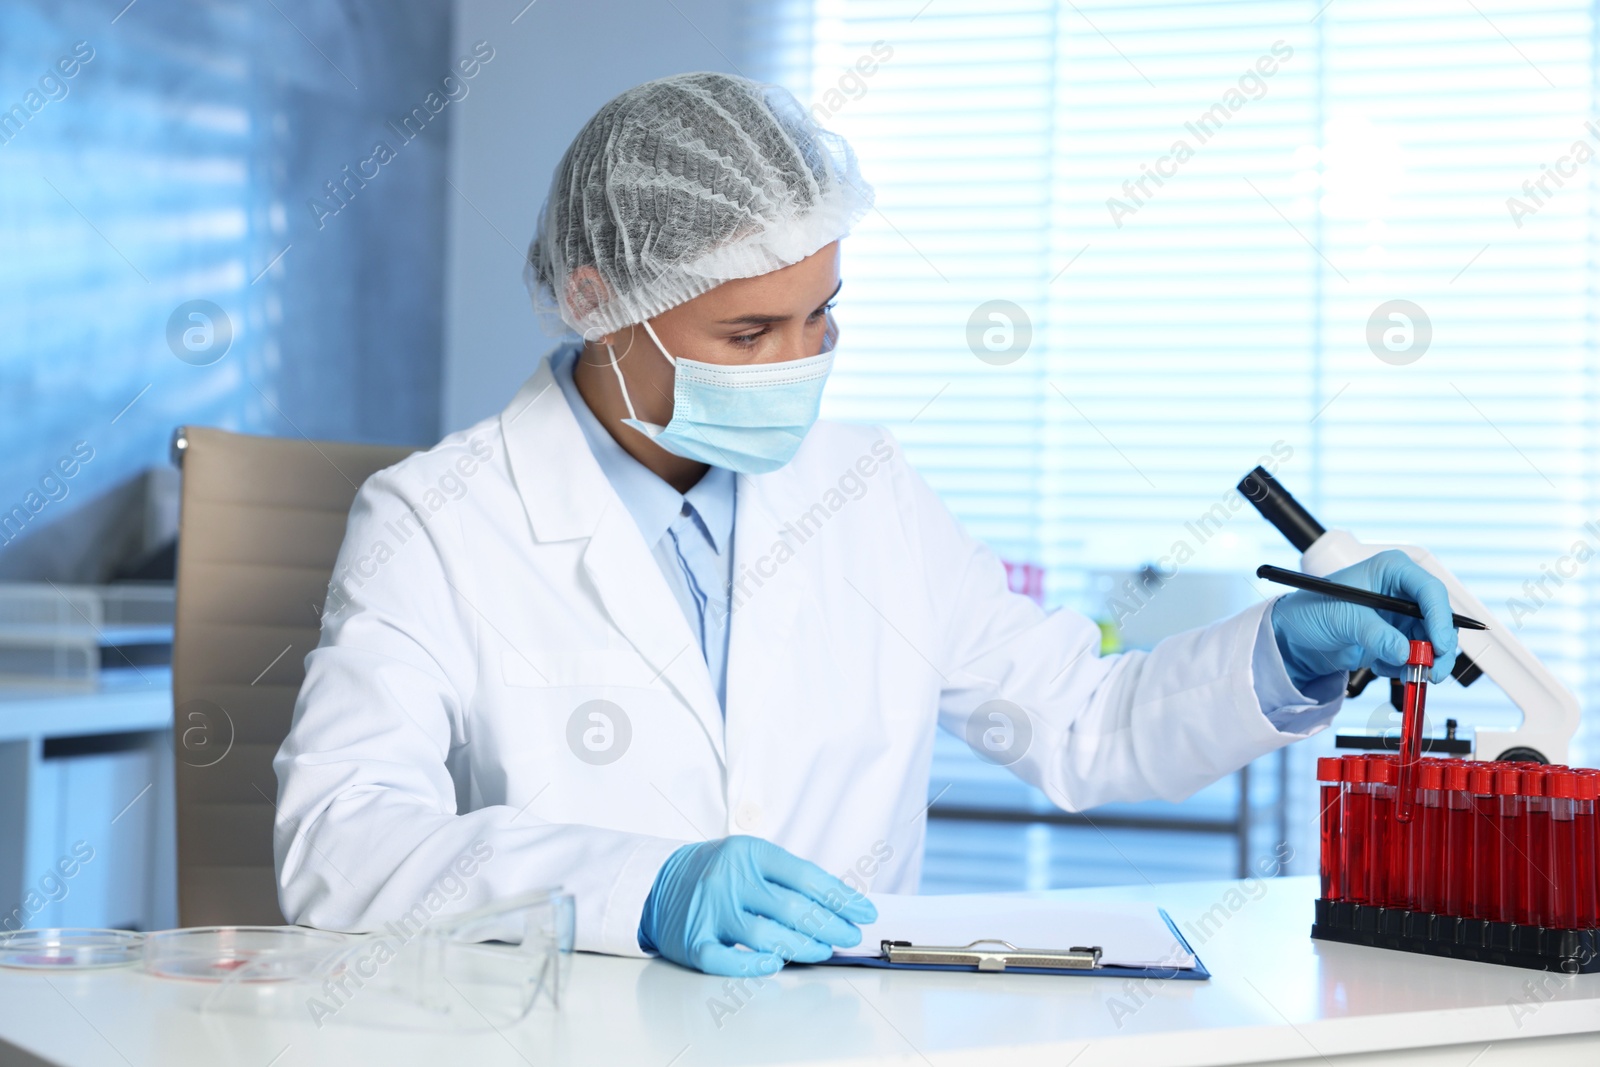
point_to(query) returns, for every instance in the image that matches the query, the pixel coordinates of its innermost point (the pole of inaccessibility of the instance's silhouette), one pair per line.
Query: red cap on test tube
(1421, 654)
(1355, 768)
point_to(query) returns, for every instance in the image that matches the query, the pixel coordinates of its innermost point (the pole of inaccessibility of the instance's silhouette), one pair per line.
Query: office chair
(261, 523)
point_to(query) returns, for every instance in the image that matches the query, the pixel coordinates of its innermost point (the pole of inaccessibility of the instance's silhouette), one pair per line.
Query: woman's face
(767, 319)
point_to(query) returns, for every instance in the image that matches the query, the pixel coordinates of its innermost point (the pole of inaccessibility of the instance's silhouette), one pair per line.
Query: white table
(1275, 995)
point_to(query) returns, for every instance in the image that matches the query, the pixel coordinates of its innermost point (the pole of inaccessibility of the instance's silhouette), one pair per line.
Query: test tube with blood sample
(1416, 694)
(1508, 789)
(1355, 823)
(1563, 788)
(1534, 896)
(1584, 816)
(1380, 829)
(1329, 773)
(1456, 878)
(1427, 846)
(1397, 889)
(1487, 859)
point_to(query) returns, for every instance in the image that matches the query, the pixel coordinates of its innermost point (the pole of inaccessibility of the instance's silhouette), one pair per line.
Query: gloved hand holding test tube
(1419, 662)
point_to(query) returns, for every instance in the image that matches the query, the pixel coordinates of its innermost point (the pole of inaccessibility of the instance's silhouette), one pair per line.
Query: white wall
(552, 69)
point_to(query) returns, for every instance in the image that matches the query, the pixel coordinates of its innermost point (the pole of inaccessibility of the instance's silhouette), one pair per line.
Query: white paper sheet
(1129, 935)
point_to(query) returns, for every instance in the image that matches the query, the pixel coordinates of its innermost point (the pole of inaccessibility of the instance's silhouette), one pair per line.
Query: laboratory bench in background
(989, 831)
(86, 791)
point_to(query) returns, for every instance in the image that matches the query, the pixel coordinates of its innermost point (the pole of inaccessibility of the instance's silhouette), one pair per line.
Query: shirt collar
(712, 499)
(653, 503)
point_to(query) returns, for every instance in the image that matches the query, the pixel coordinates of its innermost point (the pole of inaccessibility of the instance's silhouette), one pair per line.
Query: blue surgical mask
(750, 418)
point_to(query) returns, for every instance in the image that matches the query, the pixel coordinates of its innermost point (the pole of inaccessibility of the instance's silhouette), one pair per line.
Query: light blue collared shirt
(689, 534)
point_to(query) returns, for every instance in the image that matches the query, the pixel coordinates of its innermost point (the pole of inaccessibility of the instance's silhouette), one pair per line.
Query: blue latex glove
(709, 897)
(1319, 636)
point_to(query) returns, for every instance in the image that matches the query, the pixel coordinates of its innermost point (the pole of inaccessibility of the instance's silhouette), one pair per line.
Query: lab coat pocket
(594, 726)
(589, 702)
(598, 667)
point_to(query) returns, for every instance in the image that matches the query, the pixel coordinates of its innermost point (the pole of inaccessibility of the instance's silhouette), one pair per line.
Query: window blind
(1202, 214)
(1199, 210)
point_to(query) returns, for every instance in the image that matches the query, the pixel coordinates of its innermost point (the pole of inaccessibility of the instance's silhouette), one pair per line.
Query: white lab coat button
(748, 816)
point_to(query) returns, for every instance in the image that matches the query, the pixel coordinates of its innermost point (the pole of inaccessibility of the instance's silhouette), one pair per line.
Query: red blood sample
(1329, 774)
(1486, 853)
(1457, 883)
(1427, 847)
(1380, 829)
(1397, 856)
(1357, 815)
(1588, 854)
(1415, 700)
(1562, 785)
(1534, 905)
(1508, 785)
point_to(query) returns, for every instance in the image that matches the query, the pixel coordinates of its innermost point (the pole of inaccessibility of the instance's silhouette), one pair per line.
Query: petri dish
(69, 948)
(240, 953)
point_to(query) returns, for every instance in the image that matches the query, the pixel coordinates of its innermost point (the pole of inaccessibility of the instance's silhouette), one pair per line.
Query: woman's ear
(586, 291)
(620, 340)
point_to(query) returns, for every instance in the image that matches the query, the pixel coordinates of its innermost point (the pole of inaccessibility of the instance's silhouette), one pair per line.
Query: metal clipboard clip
(1077, 958)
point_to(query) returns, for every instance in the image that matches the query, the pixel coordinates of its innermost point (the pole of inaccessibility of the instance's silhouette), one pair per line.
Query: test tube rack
(1496, 862)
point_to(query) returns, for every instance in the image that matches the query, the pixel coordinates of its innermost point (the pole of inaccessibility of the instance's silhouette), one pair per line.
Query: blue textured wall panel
(177, 176)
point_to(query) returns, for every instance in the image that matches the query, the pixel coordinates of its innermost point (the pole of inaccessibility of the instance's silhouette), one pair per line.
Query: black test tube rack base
(1534, 947)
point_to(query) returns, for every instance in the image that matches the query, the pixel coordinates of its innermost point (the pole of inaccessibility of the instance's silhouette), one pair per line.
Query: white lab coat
(490, 586)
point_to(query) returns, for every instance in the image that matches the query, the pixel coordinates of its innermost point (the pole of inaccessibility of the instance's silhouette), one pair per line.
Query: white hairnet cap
(679, 185)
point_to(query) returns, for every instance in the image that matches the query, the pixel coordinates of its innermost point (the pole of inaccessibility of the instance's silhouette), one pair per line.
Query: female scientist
(655, 635)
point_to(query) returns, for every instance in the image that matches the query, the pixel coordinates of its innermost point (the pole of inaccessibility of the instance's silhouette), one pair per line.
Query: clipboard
(994, 956)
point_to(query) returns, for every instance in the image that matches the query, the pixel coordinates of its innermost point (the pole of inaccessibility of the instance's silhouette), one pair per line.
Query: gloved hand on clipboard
(710, 897)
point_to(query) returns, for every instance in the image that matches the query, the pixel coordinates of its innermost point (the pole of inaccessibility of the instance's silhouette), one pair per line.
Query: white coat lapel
(567, 496)
(641, 605)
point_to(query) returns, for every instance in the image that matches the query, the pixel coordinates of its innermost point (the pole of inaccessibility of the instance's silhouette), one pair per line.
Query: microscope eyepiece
(1280, 508)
